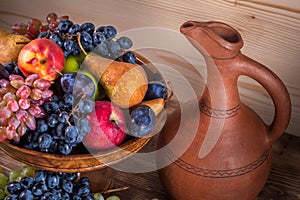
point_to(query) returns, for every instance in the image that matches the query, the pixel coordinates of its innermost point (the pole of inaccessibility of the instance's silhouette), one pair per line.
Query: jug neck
(220, 45)
(221, 90)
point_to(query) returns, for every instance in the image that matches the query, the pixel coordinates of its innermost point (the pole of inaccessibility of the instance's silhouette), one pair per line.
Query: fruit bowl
(81, 160)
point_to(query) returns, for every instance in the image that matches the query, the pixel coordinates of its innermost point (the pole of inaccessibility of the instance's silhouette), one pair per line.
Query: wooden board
(283, 182)
(270, 29)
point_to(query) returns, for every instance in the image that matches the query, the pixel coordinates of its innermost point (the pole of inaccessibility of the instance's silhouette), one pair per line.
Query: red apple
(108, 126)
(43, 57)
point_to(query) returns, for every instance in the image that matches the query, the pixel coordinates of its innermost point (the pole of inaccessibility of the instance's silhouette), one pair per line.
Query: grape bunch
(74, 39)
(50, 185)
(14, 175)
(34, 26)
(20, 101)
(36, 184)
(65, 124)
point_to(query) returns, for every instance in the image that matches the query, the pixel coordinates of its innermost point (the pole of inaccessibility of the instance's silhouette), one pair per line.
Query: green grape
(2, 194)
(0, 169)
(113, 198)
(19, 178)
(98, 196)
(24, 166)
(3, 181)
(28, 171)
(6, 191)
(13, 175)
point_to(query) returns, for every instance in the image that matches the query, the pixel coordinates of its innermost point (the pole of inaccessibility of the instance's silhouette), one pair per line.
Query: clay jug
(226, 147)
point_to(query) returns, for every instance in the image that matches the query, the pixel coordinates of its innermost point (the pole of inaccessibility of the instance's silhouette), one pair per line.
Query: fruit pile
(30, 183)
(75, 84)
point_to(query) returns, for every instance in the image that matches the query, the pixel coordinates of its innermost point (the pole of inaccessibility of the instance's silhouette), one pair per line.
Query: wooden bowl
(82, 160)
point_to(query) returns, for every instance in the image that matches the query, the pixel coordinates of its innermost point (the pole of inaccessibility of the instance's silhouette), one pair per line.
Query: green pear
(99, 90)
(73, 63)
(124, 83)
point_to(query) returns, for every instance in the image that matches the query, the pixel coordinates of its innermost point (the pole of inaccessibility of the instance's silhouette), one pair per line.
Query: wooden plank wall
(270, 29)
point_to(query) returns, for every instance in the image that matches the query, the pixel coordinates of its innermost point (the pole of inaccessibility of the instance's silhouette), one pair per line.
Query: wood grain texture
(270, 29)
(283, 182)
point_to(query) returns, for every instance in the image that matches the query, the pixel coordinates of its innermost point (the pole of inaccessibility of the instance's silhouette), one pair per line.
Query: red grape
(13, 105)
(22, 115)
(51, 17)
(23, 92)
(41, 84)
(24, 104)
(20, 28)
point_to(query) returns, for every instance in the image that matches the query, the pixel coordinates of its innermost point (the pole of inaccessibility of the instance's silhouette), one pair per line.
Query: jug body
(236, 168)
(229, 151)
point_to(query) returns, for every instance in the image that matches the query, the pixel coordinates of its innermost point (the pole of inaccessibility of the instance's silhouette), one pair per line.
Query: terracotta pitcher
(228, 155)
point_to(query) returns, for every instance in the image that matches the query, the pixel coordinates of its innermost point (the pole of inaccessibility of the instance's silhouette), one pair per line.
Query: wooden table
(283, 182)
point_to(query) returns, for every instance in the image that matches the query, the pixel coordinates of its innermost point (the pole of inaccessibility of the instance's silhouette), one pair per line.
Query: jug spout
(214, 39)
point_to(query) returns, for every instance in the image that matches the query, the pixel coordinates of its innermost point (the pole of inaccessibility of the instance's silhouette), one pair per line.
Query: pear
(124, 83)
(10, 46)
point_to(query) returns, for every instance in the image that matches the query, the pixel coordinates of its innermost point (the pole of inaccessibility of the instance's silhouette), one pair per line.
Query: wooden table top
(283, 182)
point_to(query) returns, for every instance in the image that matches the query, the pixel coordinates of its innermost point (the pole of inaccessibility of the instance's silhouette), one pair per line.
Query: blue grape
(59, 131)
(64, 26)
(83, 191)
(156, 90)
(27, 182)
(52, 181)
(65, 148)
(102, 50)
(83, 126)
(111, 32)
(114, 49)
(71, 133)
(142, 121)
(98, 38)
(86, 106)
(42, 126)
(45, 141)
(14, 187)
(51, 107)
(67, 82)
(40, 176)
(52, 120)
(68, 45)
(42, 34)
(88, 27)
(75, 28)
(57, 38)
(67, 186)
(129, 57)
(125, 42)
(86, 40)
(70, 176)
(63, 117)
(26, 195)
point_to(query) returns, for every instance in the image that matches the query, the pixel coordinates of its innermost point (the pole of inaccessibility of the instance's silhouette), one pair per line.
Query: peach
(43, 57)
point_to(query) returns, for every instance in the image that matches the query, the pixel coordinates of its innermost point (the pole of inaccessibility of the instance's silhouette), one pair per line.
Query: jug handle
(278, 92)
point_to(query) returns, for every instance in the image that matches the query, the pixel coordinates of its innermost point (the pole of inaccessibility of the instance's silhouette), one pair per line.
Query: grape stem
(76, 107)
(80, 45)
(116, 190)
